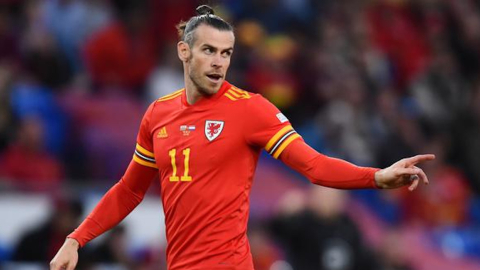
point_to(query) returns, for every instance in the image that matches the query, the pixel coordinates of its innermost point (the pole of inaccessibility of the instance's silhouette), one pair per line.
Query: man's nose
(217, 61)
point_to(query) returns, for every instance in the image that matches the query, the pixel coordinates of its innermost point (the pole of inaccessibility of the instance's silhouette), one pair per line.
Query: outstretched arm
(337, 173)
(117, 203)
(403, 173)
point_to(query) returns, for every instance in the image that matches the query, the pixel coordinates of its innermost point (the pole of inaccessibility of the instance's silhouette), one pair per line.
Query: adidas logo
(162, 133)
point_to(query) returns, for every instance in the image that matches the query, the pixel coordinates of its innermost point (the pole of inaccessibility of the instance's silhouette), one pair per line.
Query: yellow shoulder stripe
(285, 144)
(144, 163)
(241, 92)
(277, 136)
(171, 96)
(230, 97)
(144, 151)
(237, 94)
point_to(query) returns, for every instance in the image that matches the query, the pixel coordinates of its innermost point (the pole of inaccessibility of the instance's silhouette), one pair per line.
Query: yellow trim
(277, 136)
(237, 89)
(144, 163)
(169, 98)
(144, 151)
(285, 144)
(235, 94)
(230, 97)
(239, 93)
(172, 94)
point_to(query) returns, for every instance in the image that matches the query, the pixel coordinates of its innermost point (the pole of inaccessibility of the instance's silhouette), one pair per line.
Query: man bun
(205, 15)
(204, 10)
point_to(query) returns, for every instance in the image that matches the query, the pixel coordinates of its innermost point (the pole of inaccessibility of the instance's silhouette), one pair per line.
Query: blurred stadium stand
(367, 81)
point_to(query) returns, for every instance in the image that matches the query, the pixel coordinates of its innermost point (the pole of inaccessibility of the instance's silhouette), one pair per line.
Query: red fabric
(205, 182)
(206, 218)
(119, 201)
(327, 171)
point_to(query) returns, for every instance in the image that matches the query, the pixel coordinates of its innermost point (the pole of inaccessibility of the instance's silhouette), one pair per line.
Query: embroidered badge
(213, 129)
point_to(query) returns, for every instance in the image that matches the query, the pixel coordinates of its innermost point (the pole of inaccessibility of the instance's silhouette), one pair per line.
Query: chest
(187, 142)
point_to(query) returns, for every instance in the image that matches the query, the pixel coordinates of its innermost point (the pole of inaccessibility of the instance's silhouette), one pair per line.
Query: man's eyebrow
(208, 45)
(213, 47)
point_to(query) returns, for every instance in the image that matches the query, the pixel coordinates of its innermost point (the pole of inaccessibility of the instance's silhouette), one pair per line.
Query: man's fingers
(53, 265)
(407, 171)
(417, 159)
(414, 185)
(71, 266)
(423, 176)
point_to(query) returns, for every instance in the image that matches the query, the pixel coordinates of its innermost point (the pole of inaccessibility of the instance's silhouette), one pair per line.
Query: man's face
(209, 58)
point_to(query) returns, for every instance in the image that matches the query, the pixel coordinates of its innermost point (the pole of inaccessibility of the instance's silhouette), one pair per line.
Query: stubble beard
(202, 89)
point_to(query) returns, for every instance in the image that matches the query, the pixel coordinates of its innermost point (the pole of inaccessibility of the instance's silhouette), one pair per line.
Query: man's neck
(191, 91)
(193, 96)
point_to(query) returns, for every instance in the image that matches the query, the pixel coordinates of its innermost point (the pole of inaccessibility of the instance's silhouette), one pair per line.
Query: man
(204, 142)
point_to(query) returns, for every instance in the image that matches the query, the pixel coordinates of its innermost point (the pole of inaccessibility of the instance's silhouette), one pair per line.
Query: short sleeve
(144, 148)
(266, 127)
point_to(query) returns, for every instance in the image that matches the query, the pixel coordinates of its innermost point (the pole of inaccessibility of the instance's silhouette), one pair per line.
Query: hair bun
(204, 10)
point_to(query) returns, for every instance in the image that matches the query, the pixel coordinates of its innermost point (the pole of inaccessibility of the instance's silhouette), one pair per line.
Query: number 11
(185, 177)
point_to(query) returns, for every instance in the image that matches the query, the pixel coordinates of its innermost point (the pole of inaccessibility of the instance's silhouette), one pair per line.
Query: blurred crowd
(366, 81)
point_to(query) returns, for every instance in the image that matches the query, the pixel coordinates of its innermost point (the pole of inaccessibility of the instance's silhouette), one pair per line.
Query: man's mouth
(214, 77)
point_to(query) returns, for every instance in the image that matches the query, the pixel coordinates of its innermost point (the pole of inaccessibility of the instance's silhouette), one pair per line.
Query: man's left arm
(337, 173)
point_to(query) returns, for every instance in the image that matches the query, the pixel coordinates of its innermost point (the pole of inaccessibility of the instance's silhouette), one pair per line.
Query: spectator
(72, 22)
(40, 244)
(446, 201)
(112, 251)
(26, 163)
(317, 234)
(123, 54)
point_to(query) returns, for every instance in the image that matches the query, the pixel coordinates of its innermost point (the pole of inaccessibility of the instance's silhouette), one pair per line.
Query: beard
(202, 85)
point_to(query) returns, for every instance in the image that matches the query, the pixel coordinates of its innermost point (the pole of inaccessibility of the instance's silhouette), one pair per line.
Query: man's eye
(208, 50)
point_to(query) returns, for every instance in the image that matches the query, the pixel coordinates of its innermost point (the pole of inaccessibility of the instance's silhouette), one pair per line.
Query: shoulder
(251, 102)
(236, 94)
(175, 95)
(166, 100)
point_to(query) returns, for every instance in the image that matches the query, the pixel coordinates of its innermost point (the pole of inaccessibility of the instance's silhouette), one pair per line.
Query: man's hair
(205, 15)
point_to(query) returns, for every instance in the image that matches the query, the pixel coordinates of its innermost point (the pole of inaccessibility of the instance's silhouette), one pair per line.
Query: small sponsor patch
(282, 118)
(186, 129)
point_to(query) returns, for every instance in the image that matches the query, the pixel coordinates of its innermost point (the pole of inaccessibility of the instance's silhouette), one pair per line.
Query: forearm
(327, 171)
(117, 203)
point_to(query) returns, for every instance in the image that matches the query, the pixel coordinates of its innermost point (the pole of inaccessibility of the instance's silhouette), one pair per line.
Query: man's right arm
(117, 203)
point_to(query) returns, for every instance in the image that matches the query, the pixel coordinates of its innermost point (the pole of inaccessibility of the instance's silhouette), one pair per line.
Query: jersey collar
(206, 100)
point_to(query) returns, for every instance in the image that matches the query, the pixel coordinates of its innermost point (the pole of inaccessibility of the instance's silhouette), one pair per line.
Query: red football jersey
(206, 154)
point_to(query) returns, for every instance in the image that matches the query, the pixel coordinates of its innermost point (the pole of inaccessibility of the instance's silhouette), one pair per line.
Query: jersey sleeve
(266, 127)
(116, 204)
(327, 171)
(143, 154)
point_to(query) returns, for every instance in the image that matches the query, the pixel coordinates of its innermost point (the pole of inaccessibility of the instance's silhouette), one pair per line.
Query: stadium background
(367, 81)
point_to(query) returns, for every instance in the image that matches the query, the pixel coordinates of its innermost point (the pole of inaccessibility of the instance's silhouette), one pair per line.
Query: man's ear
(183, 51)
